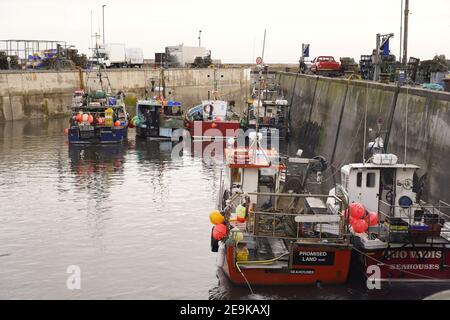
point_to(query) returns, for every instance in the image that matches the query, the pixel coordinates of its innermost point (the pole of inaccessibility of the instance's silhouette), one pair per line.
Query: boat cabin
(148, 114)
(272, 114)
(253, 170)
(382, 180)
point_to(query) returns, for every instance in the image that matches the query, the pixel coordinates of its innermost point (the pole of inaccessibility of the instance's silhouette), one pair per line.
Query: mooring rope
(256, 262)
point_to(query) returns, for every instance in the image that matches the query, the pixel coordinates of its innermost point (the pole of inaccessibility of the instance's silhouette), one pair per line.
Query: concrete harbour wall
(31, 95)
(327, 118)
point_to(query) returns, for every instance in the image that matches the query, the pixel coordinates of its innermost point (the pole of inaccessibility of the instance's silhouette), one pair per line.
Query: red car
(326, 66)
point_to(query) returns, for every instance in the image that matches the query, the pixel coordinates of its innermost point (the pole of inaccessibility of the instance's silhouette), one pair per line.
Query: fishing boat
(273, 112)
(213, 118)
(159, 117)
(97, 115)
(157, 121)
(97, 118)
(269, 230)
(392, 228)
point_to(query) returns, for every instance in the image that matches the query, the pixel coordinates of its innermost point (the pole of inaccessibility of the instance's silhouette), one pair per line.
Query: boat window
(359, 180)
(370, 183)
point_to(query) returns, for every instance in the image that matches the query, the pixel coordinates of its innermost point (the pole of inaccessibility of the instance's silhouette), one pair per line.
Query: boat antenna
(406, 119)
(261, 78)
(365, 123)
(91, 38)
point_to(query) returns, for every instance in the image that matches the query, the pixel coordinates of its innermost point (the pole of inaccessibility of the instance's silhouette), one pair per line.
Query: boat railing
(427, 216)
(300, 226)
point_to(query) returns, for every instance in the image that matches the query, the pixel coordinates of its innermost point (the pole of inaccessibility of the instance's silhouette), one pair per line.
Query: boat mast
(261, 78)
(101, 71)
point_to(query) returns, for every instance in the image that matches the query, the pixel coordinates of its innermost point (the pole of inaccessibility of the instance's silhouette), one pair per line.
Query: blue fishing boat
(98, 116)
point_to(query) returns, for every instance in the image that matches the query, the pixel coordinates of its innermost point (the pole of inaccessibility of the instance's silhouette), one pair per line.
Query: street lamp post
(103, 17)
(200, 38)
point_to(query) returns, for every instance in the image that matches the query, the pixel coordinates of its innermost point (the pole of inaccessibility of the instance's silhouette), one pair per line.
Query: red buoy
(357, 210)
(360, 226)
(219, 232)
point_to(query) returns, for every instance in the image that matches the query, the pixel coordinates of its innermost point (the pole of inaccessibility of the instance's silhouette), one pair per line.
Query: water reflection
(95, 166)
(134, 218)
(148, 151)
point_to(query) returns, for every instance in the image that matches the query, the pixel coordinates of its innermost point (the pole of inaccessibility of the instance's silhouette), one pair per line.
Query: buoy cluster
(360, 219)
(88, 118)
(220, 230)
(84, 117)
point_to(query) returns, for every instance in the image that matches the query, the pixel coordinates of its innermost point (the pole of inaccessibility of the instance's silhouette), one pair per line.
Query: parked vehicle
(326, 66)
(134, 57)
(182, 56)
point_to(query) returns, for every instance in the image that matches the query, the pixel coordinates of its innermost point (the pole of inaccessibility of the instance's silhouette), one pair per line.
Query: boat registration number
(313, 258)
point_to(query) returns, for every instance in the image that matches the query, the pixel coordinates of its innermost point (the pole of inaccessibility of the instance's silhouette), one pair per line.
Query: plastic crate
(396, 224)
(398, 236)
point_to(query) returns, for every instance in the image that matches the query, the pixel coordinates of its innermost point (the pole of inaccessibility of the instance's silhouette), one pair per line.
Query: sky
(234, 29)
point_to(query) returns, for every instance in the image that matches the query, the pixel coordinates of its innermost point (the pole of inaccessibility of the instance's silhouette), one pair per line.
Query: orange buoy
(214, 125)
(219, 232)
(357, 210)
(117, 123)
(90, 119)
(373, 219)
(360, 226)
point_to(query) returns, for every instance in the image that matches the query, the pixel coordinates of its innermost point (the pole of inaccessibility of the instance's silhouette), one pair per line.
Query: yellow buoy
(109, 117)
(242, 253)
(216, 217)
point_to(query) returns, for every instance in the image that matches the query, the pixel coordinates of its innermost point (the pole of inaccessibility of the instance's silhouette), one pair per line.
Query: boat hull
(98, 136)
(213, 130)
(408, 264)
(332, 269)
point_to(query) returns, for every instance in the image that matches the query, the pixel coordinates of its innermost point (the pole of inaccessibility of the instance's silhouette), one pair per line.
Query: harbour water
(132, 218)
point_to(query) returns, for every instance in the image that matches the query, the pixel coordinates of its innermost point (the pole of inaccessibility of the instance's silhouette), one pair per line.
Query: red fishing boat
(213, 119)
(269, 230)
(400, 238)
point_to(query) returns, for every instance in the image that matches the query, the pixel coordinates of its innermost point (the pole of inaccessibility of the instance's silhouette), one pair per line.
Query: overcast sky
(233, 29)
